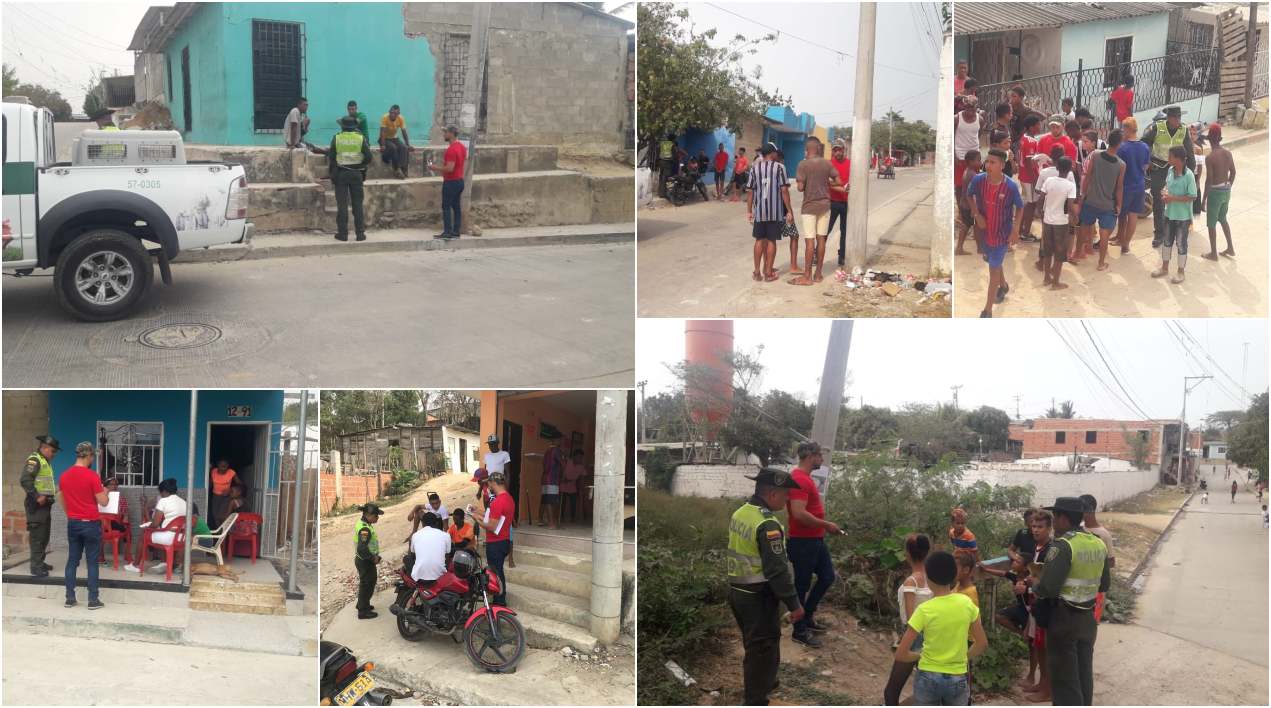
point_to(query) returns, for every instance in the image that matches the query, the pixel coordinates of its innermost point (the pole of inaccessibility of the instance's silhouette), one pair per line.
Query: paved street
(1200, 630)
(696, 260)
(494, 318)
(1225, 288)
(44, 669)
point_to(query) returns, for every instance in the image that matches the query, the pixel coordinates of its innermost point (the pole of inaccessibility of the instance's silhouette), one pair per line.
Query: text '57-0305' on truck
(125, 196)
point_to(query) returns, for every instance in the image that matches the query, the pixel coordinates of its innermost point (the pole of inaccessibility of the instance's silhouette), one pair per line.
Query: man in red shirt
(1123, 97)
(838, 193)
(451, 183)
(82, 492)
(721, 169)
(1055, 137)
(806, 543)
(1028, 148)
(498, 524)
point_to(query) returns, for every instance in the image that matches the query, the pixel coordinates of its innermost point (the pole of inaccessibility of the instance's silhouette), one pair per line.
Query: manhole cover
(184, 335)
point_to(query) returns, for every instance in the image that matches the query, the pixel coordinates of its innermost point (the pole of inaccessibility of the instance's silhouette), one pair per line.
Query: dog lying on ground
(223, 571)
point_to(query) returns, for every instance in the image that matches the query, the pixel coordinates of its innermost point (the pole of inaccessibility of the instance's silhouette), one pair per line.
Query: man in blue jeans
(82, 492)
(498, 524)
(453, 164)
(805, 543)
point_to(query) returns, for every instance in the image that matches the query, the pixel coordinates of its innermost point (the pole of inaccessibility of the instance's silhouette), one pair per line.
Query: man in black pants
(838, 193)
(366, 556)
(347, 159)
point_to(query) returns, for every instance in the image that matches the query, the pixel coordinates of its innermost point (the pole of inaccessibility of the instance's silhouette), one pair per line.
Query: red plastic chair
(246, 530)
(112, 536)
(177, 525)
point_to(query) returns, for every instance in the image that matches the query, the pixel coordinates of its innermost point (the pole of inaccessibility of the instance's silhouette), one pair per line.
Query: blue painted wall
(73, 418)
(1085, 41)
(695, 140)
(352, 51)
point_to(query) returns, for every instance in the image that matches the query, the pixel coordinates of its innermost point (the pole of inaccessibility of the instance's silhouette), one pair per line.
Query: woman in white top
(169, 507)
(909, 595)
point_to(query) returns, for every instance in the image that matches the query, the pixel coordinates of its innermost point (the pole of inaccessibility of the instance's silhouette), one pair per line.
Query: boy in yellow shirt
(945, 621)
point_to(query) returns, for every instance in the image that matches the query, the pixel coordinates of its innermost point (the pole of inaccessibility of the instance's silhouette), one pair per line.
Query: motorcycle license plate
(354, 692)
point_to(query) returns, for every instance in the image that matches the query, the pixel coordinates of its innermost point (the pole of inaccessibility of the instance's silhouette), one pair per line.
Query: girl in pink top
(574, 471)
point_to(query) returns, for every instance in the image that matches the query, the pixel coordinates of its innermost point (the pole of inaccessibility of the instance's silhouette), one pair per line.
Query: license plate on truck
(354, 692)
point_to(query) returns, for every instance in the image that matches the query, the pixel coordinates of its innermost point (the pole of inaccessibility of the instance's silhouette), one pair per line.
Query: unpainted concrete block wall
(1107, 487)
(713, 481)
(26, 414)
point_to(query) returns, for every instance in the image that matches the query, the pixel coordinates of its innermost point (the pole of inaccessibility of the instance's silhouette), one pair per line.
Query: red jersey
(807, 492)
(457, 154)
(721, 161)
(1028, 146)
(1123, 97)
(993, 216)
(1049, 141)
(78, 485)
(502, 506)
(844, 170)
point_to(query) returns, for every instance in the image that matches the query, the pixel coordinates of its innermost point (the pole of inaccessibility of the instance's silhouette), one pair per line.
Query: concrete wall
(695, 140)
(713, 481)
(1086, 40)
(1107, 487)
(356, 489)
(26, 414)
(149, 79)
(556, 73)
(531, 413)
(473, 450)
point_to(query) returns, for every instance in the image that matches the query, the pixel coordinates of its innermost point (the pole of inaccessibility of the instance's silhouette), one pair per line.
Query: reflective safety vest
(111, 127)
(373, 545)
(1088, 556)
(667, 149)
(44, 478)
(745, 566)
(1164, 140)
(348, 148)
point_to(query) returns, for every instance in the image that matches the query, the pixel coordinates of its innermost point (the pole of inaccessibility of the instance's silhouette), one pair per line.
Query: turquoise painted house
(233, 70)
(779, 125)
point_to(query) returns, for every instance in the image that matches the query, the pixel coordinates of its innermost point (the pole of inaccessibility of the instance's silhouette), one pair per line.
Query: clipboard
(112, 504)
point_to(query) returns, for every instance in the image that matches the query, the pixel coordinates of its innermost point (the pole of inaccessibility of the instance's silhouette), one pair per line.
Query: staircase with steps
(551, 593)
(221, 595)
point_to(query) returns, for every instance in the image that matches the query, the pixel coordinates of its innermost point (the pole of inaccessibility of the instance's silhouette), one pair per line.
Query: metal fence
(1260, 74)
(131, 452)
(1158, 82)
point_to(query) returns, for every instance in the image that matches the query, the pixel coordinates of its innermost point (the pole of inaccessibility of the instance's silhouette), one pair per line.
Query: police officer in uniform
(760, 581)
(666, 162)
(365, 557)
(37, 481)
(1161, 136)
(1075, 572)
(347, 160)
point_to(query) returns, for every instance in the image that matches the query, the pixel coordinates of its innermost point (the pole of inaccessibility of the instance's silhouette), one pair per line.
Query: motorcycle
(346, 683)
(458, 604)
(681, 188)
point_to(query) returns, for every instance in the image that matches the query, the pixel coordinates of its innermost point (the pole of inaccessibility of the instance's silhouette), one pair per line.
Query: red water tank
(708, 349)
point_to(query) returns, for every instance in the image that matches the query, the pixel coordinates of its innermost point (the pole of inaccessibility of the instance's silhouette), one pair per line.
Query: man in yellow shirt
(395, 150)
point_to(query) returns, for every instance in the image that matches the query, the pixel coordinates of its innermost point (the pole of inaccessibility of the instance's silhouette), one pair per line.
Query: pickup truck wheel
(102, 275)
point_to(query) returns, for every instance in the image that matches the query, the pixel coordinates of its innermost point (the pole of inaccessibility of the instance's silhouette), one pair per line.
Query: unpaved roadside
(339, 578)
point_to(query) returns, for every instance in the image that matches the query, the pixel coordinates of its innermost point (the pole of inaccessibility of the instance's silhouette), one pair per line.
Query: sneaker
(47, 566)
(442, 235)
(807, 640)
(41, 573)
(338, 237)
(361, 237)
(367, 615)
(95, 604)
(70, 602)
(818, 626)
(132, 568)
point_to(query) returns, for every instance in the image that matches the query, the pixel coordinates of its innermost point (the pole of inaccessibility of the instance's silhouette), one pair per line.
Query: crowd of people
(1090, 182)
(1059, 568)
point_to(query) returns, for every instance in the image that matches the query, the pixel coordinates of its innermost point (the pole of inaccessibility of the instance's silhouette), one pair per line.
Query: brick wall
(713, 481)
(26, 414)
(1109, 437)
(357, 489)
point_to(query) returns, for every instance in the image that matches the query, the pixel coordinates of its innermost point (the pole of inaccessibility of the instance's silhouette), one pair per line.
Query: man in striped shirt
(996, 209)
(768, 207)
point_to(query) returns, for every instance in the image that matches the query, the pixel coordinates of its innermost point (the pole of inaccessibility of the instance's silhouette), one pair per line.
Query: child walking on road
(996, 209)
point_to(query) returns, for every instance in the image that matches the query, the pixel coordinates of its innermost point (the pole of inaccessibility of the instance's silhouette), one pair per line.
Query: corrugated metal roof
(984, 17)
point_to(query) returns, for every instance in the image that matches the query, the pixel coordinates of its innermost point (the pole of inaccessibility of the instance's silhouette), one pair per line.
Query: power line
(1115, 378)
(63, 23)
(1200, 365)
(1059, 333)
(1204, 351)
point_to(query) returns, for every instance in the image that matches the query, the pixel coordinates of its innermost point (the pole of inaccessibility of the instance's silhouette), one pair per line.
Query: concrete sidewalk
(314, 243)
(438, 666)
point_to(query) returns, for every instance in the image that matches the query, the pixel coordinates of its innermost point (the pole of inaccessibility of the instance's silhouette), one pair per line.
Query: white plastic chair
(218, 535)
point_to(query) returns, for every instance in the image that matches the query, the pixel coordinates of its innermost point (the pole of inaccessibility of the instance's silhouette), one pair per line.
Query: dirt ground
(873, 302)
(594, 165)
(339, 579)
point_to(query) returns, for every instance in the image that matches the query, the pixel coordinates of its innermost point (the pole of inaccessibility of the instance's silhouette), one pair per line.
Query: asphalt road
(1199, 636)
(696, 260)
(495, 318)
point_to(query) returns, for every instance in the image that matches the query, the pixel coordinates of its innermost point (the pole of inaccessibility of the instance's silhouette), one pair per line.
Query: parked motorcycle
(345, 682)
(459, 604)
(681, 188)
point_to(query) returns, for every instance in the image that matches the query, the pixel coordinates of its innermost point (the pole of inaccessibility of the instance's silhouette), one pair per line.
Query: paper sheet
(112, 504)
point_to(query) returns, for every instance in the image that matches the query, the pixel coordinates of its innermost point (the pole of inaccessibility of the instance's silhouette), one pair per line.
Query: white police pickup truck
(124, 197)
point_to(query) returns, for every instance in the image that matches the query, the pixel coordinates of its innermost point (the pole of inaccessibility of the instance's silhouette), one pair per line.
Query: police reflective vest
(1164, 140)
(44, 478)
(348, 148)
(1088, 556)
(111, 127)
(372, 544)
(745, 566)
(667, 149)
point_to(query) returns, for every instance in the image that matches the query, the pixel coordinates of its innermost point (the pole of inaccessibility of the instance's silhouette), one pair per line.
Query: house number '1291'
(240, 411)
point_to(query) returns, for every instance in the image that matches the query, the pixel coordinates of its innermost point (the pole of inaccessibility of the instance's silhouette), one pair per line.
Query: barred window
(277, 72)
(1116, 58)
(132, 452)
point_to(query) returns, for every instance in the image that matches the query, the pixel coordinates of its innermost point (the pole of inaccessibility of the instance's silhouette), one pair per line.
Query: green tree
(991, 424)
(1224, 421)
(1139, 446)
(867, 427)
(1249, 438)
(665, 413)
(686, 82)
(37, 94)
(929, 432)
(10, 80)
(1065, 410)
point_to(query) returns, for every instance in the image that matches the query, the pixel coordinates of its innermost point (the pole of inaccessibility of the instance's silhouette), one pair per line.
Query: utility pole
(955, 395)
(1251, 49)
(469, 115)
(1017, 397)
(643, 412)
(863, 110)
(1244, 369)
(942, 238)
(1182, 423)
(297, 507)
(890, 129)
(825, 420)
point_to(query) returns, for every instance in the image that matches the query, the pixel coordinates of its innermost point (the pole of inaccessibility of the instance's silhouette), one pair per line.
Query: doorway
(463, 456)
(246, 447)
(186, 102)
(512, 443)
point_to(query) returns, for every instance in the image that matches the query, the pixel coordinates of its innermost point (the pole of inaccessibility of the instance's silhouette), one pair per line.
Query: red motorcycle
(459, 604)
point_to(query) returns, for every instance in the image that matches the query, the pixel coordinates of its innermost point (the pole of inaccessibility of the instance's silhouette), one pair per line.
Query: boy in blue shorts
(945, 621)
(996, 207)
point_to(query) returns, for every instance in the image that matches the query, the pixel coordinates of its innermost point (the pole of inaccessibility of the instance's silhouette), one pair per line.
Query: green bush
(659, 470)
(997, 667)
(403, 482)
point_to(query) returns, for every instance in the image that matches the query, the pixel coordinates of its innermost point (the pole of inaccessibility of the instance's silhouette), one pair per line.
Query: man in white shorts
(814, 177)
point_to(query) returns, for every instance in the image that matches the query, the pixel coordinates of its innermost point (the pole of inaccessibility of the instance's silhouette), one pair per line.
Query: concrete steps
(553, 560)
(550, 605)
(561, 582)
(221, 595)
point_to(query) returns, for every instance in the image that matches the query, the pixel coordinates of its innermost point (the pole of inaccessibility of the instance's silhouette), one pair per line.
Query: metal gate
(268, 495)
